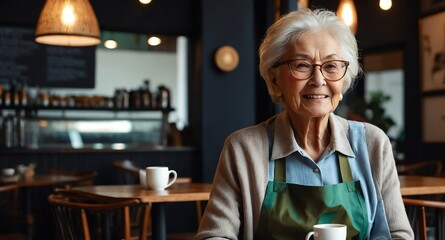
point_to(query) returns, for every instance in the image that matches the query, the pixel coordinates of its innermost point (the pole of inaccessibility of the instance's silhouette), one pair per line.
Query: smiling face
(314, 97)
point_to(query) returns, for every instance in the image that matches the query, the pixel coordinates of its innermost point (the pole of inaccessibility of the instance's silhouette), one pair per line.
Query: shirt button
(316, 170)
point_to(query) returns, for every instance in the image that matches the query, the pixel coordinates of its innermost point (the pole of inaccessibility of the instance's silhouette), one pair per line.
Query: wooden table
(36, 181)
(421, 185)
(178, 192)
(42, 180)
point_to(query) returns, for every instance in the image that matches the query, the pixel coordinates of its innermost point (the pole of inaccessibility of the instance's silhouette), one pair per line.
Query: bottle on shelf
(24, 95)
(6, 97)
(121, 98)
(146, 95)
(13, 93)
(43, 98)
(163, 100)
(135, 99)
(1, 94)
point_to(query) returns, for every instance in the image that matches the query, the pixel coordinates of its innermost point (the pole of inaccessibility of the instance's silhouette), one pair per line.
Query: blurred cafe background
(174, 102)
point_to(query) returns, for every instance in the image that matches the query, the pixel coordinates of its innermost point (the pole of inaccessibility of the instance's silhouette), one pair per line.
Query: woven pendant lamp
(68, 23)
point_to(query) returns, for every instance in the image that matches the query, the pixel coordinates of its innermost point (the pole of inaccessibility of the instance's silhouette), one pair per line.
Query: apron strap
(280, 170)
(280, 164)
(270, 133)
(345, 169)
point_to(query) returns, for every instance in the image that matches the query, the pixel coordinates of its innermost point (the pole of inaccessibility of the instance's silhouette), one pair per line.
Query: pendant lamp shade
(348, 14)
(68, 23)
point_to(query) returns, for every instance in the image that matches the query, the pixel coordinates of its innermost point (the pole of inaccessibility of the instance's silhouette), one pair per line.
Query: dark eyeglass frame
(288, 62)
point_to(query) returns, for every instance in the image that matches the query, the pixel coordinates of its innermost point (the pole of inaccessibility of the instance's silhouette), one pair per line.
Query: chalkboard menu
(25, 61)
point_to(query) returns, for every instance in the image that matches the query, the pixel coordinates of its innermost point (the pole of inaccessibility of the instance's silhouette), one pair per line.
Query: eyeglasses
(302, 69)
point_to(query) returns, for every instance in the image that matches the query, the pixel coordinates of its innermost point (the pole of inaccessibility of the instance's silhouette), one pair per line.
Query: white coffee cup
(8, 172)
(158, 178)
(330, 231)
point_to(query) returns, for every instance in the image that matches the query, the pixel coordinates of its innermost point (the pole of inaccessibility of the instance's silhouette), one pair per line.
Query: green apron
(290, 210)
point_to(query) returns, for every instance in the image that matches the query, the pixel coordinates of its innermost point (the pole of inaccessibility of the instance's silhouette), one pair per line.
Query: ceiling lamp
(145, 1)
(347, 13)
(154, 41)
(385, 4)
(68, 23)
(110, 44)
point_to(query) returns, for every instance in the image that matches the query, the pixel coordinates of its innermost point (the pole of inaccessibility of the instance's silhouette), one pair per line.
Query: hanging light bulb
(347, 13)
(302, 4)
(385, 4)
(110, 44)
(67, 23)
(145, 1)
(154, 41)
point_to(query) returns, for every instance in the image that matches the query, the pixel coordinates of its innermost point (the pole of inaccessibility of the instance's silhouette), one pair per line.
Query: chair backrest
(128, 171)
(425, 168)
(80, 215)
(86, 178)
(420, 222)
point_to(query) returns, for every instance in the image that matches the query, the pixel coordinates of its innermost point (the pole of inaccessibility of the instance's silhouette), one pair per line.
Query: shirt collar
(284, 142)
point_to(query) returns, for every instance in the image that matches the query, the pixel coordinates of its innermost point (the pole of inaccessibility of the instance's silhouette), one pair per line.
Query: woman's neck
(312, 134)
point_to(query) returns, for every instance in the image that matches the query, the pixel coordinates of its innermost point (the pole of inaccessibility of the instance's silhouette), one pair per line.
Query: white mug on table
(157, 177)
(328, 232)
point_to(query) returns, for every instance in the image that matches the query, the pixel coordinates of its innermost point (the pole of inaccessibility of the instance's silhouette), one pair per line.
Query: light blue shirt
(303, 170)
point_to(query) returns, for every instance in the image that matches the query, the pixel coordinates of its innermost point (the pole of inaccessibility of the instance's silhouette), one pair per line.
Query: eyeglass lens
(331, 70)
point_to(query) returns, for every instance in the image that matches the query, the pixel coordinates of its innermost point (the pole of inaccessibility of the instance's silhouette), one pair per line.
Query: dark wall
(414, 149)
(166, 17)
(227, 99)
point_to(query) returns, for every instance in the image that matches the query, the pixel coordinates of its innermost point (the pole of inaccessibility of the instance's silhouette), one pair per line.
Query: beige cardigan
(241, 178)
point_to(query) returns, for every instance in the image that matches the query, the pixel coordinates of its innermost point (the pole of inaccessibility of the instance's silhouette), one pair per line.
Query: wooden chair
(129, 174)
(424, 168)
(11, 216)
(80, 215)
(420, 222)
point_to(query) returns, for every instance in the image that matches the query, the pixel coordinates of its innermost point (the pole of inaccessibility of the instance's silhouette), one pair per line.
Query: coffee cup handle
(173, 179)
(308, 236)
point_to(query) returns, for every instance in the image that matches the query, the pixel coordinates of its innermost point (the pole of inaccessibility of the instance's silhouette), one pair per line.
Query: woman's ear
(273, 79)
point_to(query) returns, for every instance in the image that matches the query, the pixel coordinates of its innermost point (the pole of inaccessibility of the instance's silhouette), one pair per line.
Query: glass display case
(92, 133)
(85, 129)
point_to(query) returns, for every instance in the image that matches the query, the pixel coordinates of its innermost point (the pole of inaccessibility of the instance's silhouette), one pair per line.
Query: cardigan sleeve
(387, 182)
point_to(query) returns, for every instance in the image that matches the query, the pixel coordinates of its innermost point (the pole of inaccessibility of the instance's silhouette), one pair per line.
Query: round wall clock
(226, 58)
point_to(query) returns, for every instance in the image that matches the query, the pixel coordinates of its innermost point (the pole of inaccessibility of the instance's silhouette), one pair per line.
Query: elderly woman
(306, 166)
